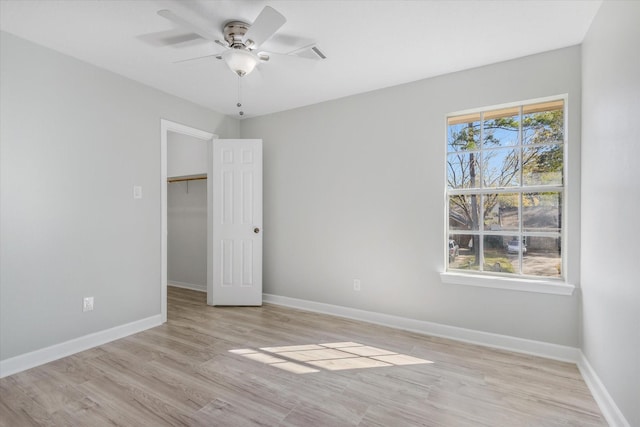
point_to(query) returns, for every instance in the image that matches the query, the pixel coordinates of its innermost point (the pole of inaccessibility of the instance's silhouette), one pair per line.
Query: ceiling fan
(241, 40)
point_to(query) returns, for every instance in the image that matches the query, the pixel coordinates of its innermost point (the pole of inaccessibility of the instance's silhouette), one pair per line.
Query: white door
(235, 236)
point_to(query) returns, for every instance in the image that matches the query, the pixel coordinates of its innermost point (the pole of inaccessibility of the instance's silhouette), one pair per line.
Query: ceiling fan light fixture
(240, 61)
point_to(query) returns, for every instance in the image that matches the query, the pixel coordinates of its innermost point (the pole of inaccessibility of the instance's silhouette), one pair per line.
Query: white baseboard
(608, 407)
(191, 286)
(504, 342)
(35, 358)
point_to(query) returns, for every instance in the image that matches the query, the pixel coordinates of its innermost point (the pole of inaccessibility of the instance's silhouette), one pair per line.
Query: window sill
(496, 282)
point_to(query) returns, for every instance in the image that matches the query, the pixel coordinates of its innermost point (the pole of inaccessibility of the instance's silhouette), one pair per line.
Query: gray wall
(186, 155)
(611, 202)
(354, 188)
(187, 233)
(75, 139)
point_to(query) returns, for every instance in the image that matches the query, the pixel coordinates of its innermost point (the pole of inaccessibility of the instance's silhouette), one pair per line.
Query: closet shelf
(187, 178)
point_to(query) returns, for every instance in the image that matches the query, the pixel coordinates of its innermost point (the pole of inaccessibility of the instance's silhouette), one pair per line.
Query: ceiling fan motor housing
(234, 33)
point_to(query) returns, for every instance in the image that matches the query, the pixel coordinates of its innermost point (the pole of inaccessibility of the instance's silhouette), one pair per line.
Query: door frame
(167, 126)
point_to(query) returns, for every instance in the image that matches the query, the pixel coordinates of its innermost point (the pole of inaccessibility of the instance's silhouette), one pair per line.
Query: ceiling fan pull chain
(239, 104)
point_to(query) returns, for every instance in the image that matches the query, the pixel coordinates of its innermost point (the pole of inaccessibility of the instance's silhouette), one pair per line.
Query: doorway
(166, 127)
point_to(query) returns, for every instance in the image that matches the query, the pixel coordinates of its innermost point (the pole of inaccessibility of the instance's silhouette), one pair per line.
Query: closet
(186, 211)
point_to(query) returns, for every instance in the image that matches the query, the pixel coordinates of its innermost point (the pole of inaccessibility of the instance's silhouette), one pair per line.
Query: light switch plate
(137, 192)
(87, 304)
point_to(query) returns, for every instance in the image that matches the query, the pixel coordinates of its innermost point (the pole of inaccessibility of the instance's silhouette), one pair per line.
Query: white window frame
(558, 286)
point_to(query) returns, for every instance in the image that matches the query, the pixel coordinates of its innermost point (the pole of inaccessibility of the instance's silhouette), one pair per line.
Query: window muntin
(505, 176)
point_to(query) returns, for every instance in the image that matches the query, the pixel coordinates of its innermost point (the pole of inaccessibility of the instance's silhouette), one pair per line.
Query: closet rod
(187, 178)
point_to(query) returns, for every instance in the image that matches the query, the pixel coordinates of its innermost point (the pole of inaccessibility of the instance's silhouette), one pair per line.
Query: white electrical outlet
(87, 304)
(356, 284)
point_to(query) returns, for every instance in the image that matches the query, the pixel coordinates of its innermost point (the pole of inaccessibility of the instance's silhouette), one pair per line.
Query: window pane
(464, 136)
(501, 168)
(501, 128)
(462, 252)
(513, 159)
(496, 257)
(463, 170)
(543, 257)
(501, 212)
(542, 211)
(543, 127)
(543, 165)
(464, 211)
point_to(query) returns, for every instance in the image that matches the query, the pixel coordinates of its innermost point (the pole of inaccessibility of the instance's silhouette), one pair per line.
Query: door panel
(236, 223)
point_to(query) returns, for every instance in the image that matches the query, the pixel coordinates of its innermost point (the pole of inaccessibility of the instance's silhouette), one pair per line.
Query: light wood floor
(222, 367)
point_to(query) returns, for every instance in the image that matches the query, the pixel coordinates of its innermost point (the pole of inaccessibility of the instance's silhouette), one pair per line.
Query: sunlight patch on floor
(304, 359)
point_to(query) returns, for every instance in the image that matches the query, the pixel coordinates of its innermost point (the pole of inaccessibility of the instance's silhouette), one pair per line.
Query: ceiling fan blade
(223, 44)
(168, 38)
(265, 25)
(217, 55)
(165, 13)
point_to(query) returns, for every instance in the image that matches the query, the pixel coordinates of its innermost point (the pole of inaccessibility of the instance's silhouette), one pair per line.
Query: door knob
(256, 230)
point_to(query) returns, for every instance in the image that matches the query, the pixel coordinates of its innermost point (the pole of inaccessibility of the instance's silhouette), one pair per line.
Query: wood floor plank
(276, 366)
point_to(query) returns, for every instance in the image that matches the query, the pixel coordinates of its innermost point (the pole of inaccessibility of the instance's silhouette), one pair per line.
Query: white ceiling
(368, 44)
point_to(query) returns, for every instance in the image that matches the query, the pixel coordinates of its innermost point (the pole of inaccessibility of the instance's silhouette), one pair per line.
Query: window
(505, 191)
